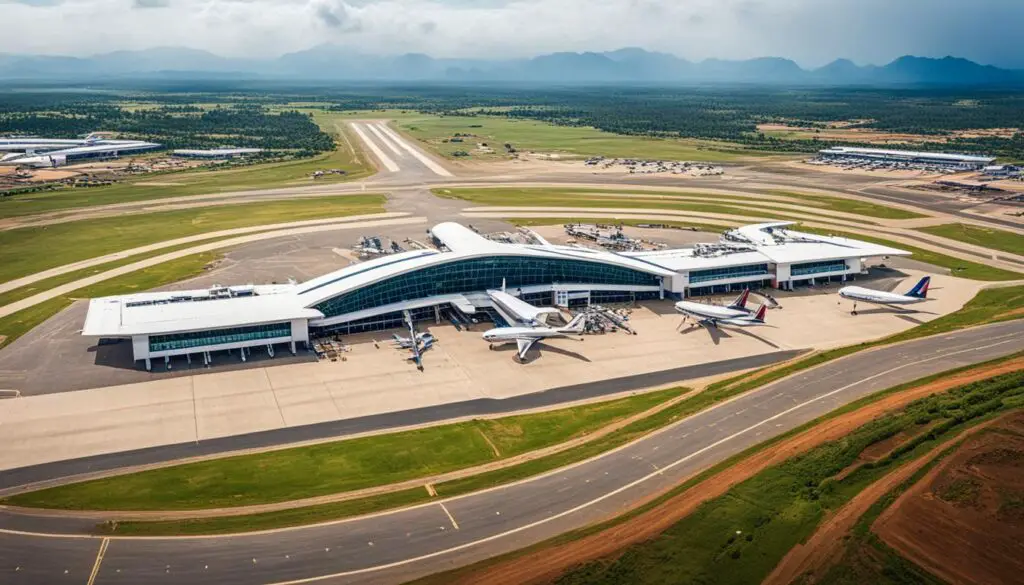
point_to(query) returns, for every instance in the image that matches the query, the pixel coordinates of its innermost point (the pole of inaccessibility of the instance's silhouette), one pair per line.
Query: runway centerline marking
(384, 139)
(631, 484)
(427, 161)
(99, 559)
(383, 158)
(449, 514)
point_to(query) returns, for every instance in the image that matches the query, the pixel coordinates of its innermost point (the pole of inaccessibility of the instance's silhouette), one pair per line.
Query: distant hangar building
(453, 281)
(49, 152)
(215, 152)
(959, 161)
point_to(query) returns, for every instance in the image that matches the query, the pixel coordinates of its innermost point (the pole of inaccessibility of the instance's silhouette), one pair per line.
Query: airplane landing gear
(854, 311)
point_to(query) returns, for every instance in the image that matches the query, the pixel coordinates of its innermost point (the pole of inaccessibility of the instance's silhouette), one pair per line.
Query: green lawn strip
(37, 287)
(988, 306)
(980, 236)
(537, 136)
(268, 520)
(511, 197)
(609, 202)
(851, 205)
(685, 225)
(17, 324)
(196, 182)
(790, 198)
(739, 537)
(450, 576)
(340, 466)
(29, 250)
(958, 267)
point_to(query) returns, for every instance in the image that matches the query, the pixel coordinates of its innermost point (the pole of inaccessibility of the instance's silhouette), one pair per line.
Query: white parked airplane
(714, 314)
(406, 343)
(517, 311)
(525, 337)
(918, 294)
(745, 320)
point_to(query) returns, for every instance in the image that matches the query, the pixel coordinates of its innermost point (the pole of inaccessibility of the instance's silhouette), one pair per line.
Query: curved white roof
(885, 152)
(467, 244)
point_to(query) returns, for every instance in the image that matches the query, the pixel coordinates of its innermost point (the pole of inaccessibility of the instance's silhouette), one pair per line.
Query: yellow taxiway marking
(99, 559)
(449, 514)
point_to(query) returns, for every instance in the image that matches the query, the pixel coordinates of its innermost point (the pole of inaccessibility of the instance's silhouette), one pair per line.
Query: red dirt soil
(814, 557)
(959, 522)
(545, 564)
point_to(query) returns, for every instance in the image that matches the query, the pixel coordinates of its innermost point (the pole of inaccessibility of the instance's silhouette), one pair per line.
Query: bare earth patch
(814, 557)
(964, 521)
(545, 564)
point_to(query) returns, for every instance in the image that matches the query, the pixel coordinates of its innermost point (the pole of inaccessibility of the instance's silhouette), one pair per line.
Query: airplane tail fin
(576, 325)
(741, 301)
(920, 289)
(761, 312)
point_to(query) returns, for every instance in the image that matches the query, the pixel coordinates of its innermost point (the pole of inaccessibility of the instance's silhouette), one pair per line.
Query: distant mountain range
(630, 65)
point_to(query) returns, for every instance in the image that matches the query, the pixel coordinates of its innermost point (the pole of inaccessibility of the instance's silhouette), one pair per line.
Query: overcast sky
(812, 32)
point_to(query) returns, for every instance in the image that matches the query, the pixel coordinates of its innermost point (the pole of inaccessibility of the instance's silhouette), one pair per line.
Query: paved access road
(396, 546)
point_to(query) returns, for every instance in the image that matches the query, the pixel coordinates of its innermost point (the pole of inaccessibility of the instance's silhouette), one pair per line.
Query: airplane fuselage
(705, 311)
(867, 295)
(511, 334)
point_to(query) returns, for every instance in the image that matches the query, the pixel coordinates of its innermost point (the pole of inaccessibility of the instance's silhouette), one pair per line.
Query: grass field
(851, 205)
(980, 236)
(341, 466)
(29, 250)
(348, 157)
(739, 537)
(597, 198)
(686, 225)
(49, 283)
(958, 267)
(535, 136)
(15, 325)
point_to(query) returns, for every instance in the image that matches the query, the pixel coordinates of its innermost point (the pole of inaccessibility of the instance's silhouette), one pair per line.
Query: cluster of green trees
(729, 113)
(175, 126)
(717, 113)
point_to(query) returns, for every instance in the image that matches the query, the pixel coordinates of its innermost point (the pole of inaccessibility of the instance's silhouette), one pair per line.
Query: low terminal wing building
(51, 152)
(942, 159)
(224, 152)
(452, 282)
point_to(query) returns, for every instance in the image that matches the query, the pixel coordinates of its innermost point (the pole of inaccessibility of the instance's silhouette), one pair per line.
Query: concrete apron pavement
(376, 380)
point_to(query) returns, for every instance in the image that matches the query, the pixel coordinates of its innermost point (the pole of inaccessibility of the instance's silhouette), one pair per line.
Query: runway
(396, 546)
(394, 152)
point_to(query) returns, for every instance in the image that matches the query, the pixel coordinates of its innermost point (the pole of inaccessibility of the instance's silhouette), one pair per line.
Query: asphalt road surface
(396, 546)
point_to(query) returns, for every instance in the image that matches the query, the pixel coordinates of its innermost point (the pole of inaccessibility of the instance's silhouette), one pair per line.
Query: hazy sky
(812, 32)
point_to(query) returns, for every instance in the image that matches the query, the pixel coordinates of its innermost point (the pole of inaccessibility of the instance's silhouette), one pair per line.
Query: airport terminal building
(884, 155)
(450, 283)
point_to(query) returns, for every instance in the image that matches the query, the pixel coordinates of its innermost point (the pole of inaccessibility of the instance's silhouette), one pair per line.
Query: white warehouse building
(453, 281)
(961, 161)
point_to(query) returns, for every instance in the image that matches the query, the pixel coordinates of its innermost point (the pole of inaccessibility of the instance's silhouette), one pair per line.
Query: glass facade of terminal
(699, 276)
(479, 274)
(809, 268)
(191, 339)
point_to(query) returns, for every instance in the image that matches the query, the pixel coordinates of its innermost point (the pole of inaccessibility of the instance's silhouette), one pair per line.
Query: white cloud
(811, 31)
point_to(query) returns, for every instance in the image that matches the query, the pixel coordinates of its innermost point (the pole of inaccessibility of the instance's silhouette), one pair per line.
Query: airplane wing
(515, 310)
(525, 343)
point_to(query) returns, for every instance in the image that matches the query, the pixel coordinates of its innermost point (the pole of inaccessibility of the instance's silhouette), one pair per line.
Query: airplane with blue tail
(859, 294)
